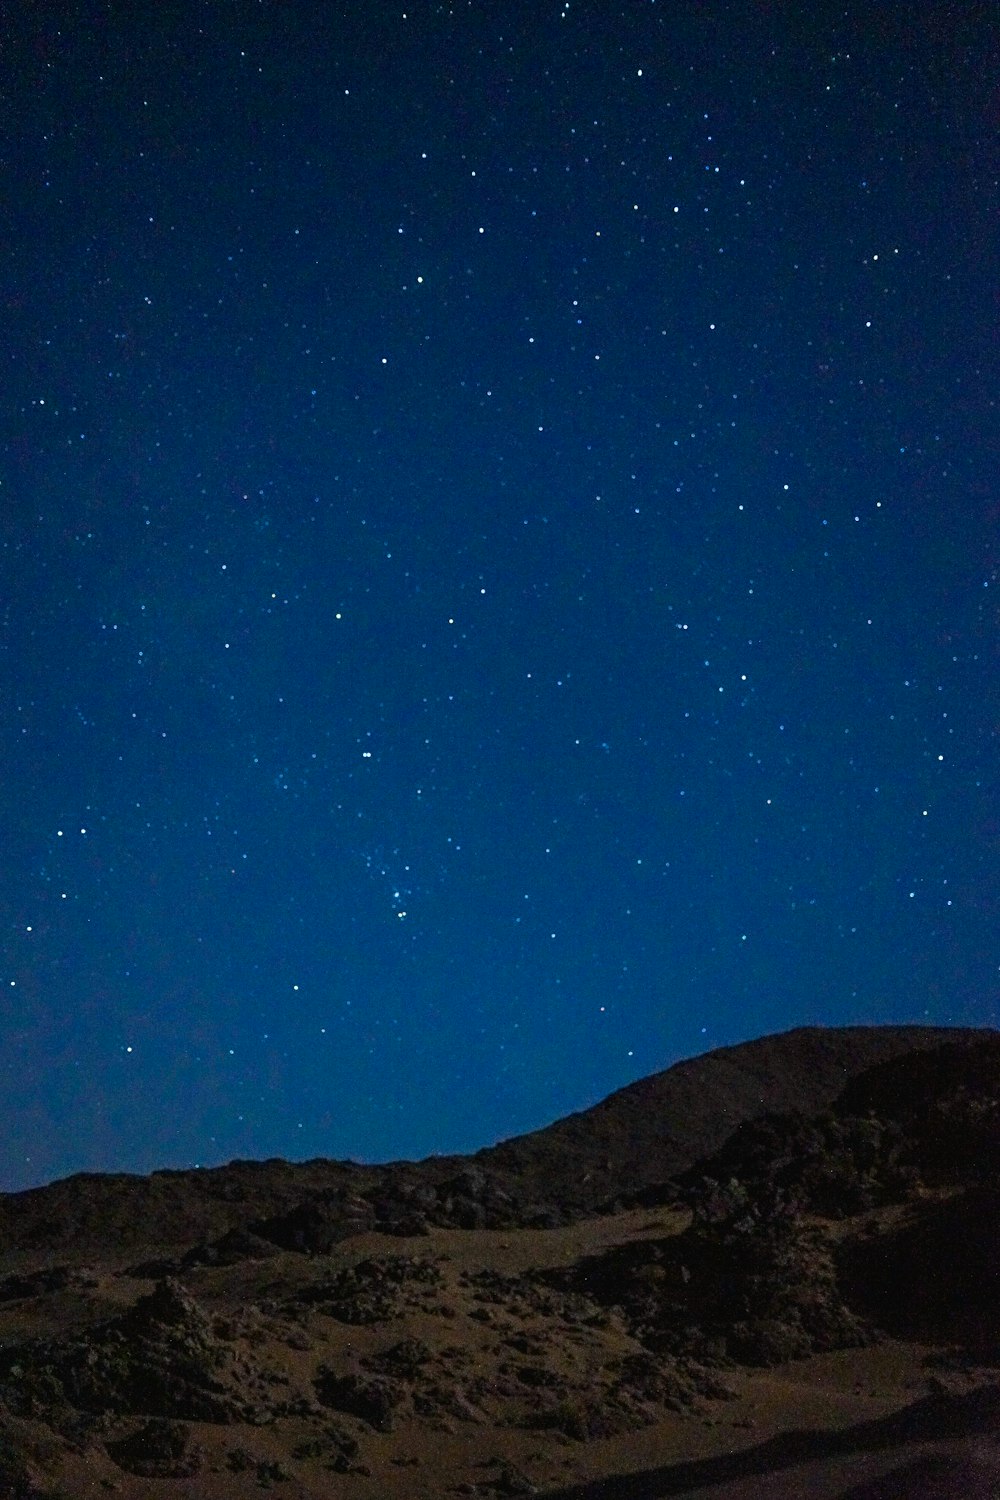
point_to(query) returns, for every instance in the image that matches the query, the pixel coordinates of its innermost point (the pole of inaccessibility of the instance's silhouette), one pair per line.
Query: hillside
(638, 1137)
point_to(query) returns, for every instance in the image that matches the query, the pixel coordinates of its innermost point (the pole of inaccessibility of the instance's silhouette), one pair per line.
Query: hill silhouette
(635, 1139)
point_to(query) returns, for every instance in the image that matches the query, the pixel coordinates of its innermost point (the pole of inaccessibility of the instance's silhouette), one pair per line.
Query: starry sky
(499, 566)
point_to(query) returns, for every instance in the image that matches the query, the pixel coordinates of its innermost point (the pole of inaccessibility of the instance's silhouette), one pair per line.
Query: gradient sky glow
(499, 558)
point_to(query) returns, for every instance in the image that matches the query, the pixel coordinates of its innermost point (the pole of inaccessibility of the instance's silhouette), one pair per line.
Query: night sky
(499, 558)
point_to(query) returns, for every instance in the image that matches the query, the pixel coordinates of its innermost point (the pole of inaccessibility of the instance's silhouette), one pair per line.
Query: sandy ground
(819, 1427)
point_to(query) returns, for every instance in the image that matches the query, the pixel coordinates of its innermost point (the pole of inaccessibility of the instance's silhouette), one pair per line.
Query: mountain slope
(636, 1138)
(653, 1129)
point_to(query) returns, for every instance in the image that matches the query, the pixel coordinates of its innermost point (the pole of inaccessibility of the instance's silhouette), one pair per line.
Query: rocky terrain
(769, 1270)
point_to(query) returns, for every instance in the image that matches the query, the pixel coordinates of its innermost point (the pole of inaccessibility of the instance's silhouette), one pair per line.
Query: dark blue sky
(500, 565)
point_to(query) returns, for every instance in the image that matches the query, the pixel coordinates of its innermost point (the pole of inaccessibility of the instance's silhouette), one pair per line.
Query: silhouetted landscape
(767, 1271)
